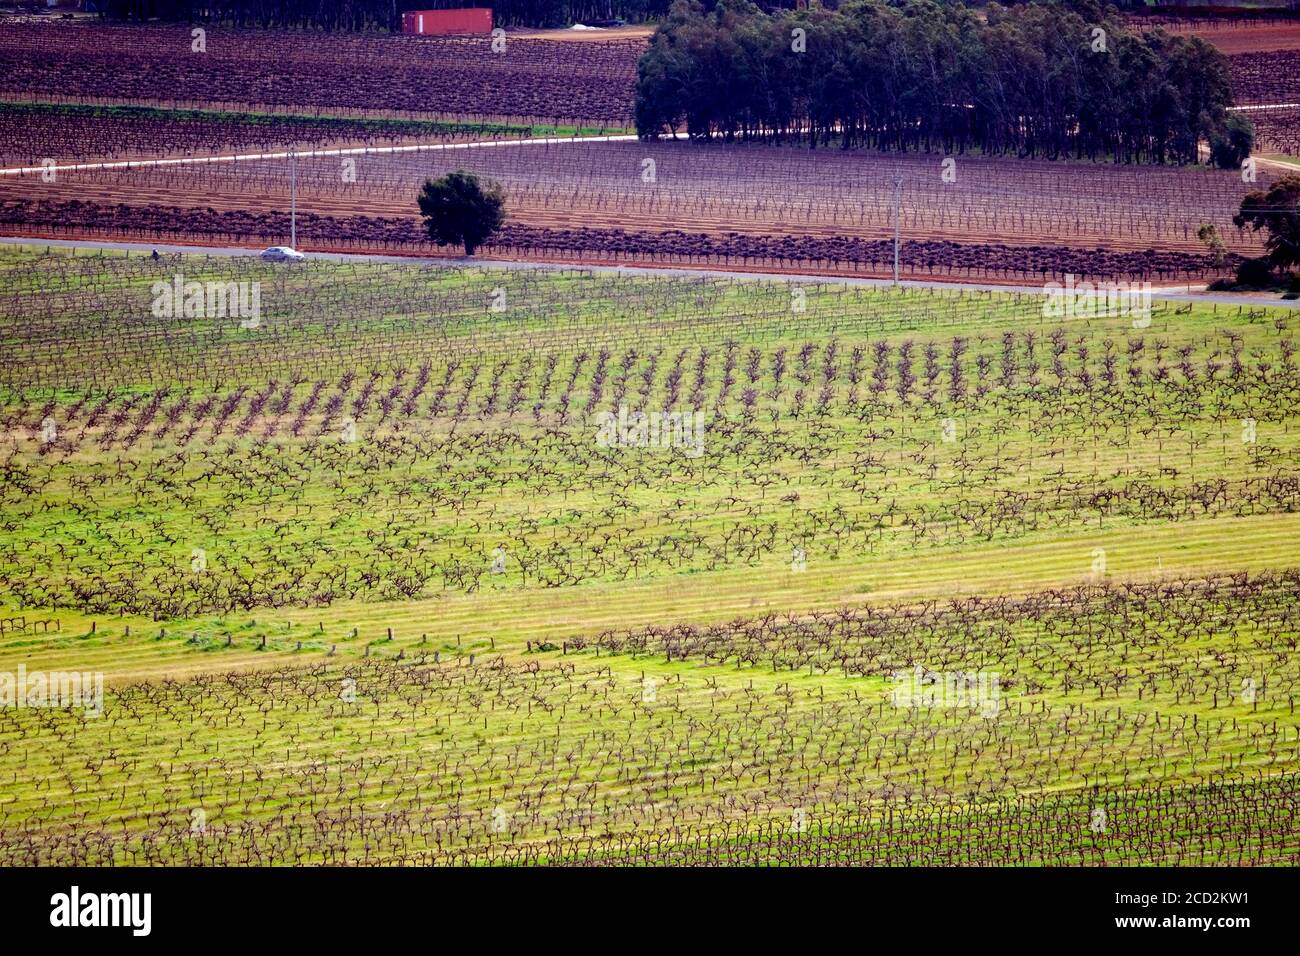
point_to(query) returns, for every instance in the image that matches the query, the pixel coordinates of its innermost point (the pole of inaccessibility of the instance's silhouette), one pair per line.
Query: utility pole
(293, 201)
(898, 196)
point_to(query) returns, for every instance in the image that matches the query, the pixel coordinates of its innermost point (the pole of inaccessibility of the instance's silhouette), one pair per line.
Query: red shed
(445, 22)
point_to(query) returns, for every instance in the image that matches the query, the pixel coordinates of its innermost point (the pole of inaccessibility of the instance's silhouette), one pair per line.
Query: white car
(282, 254)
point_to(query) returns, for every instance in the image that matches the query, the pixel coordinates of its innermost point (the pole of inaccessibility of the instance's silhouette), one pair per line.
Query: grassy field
(387, 572)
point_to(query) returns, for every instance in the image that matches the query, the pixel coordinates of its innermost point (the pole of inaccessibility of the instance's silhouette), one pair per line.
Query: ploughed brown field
(376, 76)
(1233, 38)
(1265, 56)
(725, 191)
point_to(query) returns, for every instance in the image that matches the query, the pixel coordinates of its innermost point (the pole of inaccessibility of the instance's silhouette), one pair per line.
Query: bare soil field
(1233, 38)
(717, 190)
(586, 36)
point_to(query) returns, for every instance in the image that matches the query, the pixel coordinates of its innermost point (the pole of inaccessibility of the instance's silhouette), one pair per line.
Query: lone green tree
(1209, 235)
(460, 210)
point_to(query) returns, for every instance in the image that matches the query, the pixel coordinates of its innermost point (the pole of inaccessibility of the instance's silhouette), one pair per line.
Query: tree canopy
(1276, 211)
(1040, 79)
(1233, 143)
(459, 210)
